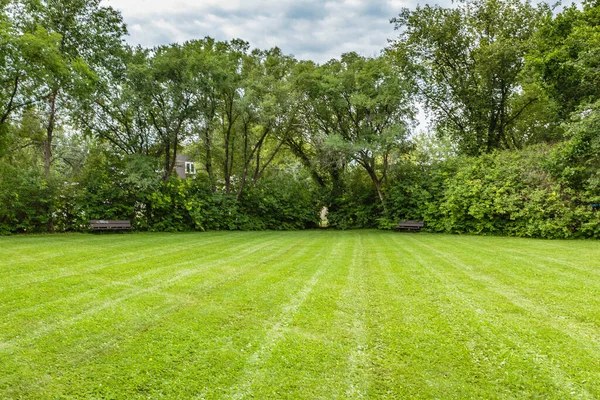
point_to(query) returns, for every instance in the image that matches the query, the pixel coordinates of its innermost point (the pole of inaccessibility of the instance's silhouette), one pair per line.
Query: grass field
(317, 314)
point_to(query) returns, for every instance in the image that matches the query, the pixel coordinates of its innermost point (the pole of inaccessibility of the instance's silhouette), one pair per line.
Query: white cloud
(309, 29)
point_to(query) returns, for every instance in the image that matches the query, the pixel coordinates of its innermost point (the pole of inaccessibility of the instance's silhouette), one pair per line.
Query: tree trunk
(174, 160)
(296, 148)
(167, 160)
(226, 162)
(226, 173)
(378, 186)
(378, 183)
(50, 134)
(48, 150)
(208, 161)
(337, 183)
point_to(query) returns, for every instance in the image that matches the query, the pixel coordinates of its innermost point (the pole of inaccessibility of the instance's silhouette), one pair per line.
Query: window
(190, 169)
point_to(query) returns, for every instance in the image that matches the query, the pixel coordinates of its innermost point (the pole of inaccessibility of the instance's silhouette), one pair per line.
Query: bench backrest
(110, 224)
(411, 224)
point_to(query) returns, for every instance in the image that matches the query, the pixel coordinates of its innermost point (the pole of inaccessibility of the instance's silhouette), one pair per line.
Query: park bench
(109, 224)
(411, 226)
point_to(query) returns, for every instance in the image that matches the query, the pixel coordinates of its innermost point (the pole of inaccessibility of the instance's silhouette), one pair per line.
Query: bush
(358, 206)
(281, 201)
(26, 198)
(414, 188)
(510, 193)
(278, 202)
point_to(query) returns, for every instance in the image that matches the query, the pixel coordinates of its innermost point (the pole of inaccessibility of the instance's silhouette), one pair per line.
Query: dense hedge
(520, 193)
(26, 199)
(511, 194)
(106, 192)
(542, 191)
(356, 206)
(276, 203)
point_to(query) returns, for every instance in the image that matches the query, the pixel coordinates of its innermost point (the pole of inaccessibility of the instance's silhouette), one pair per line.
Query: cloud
(309, 29)
(304, 10)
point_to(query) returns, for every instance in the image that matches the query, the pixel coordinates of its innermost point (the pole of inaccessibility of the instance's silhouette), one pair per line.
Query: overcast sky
(308, 29)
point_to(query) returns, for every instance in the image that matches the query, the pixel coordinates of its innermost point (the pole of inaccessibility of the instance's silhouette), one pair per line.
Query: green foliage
(112, 187)
(357, 206)
(281, 202)
(577, 161)
(468, 60)
(166, 84)
(25, 196)
(356, 109)
(28, 57)
(169, 207)
(511, 193)
(412, 188)
(566, 57)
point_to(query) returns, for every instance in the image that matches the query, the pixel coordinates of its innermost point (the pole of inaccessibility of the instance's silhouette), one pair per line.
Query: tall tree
(326, 164)
(118, 114)
(247, 111)
(115, 110)
(90, 38)
(269, 113)
(566, 57)
(27, 60)
(361, 108)
(208, 53)
(167, 81)
(469, 61)
(233, 57)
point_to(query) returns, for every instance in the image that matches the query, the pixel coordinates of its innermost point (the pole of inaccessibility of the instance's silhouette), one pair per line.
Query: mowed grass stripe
(536, 264)
(52, 248)
(145, 258)
(569, 301)
(568, 323)
(130, 248)
(476, 349)
(219, 276)
(511, 330)
(310, 351)
(533, 287)
(69, 293)
(78, 308)
(322, 314)
(503, 321)
(416, 349)
(222, 346)
(354, 304)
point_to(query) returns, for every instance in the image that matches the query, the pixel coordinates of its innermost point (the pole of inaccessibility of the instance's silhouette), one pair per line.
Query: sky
(308, 29)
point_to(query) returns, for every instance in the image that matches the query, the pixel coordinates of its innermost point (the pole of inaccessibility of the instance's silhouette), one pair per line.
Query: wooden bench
(410, 226)
(109, 224)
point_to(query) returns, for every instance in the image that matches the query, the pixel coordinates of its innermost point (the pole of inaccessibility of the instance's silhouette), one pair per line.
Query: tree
(247, 110)
(360, 107)
(167, 82)
(326, 164)
(90, 39)
(469, 62)
(27, 59)
(84, 37)
(576, 161)
(566, 58)
(229, 91)
(269, 113)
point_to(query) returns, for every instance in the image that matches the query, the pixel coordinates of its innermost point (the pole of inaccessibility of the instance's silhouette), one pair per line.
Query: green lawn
(317, 314)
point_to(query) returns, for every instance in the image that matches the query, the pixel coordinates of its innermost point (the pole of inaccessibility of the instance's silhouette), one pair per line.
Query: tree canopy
(91, 127)
(469, 61)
